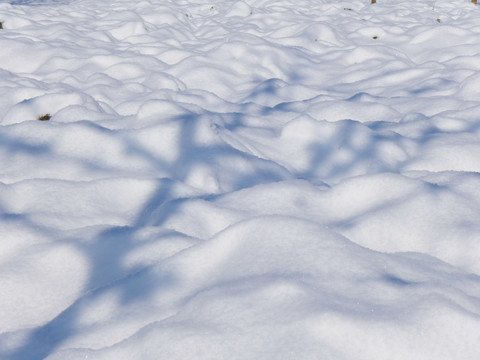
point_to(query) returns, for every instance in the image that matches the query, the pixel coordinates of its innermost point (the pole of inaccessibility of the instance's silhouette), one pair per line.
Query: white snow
(239, 179)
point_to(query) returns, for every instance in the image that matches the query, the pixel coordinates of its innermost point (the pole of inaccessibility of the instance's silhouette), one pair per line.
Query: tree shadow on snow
(107, 250)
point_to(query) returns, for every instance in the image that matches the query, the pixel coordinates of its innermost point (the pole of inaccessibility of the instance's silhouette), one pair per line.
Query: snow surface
(258, 179)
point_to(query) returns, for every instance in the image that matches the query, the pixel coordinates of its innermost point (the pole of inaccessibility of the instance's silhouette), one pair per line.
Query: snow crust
(239, 180)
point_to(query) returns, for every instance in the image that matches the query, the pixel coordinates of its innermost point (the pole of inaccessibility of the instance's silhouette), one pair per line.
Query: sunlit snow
(257, 179)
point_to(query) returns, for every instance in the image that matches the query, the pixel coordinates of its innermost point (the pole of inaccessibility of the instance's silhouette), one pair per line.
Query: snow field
(241, 180)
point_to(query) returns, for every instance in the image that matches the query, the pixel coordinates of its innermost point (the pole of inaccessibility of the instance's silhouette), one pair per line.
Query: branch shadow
(108, 248)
